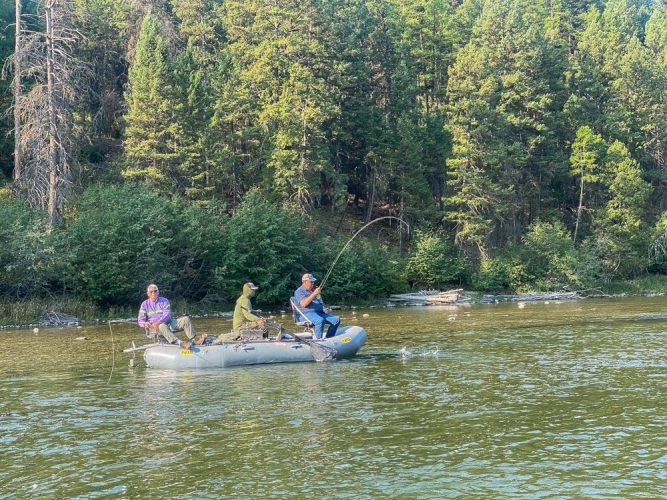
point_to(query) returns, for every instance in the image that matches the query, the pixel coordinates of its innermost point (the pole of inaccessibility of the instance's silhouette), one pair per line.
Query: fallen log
(427, 297)
(54, 318)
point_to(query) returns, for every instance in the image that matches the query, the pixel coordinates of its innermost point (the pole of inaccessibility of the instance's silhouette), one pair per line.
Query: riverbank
(29, 313)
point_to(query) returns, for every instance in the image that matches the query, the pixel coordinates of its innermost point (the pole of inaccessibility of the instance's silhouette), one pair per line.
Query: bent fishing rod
(333, 264)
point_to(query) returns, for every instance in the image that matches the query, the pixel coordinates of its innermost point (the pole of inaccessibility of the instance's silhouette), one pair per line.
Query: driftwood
(427, 297)
(53, 318)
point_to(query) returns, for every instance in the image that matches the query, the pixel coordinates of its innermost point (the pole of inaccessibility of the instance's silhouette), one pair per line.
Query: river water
(509, 400)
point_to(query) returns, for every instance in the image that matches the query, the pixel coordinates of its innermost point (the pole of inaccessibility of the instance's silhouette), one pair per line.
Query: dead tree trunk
(16, 84)
(51, 117)
(44, 91)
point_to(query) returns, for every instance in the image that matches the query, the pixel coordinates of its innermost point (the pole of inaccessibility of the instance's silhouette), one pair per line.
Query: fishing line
(326, 276)
(113, 354)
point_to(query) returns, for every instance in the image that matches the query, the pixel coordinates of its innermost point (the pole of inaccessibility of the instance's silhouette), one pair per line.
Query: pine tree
(504, 98)
(622, 235)
(656, 34)
(200, 30)
(587, 161)
(153, 133)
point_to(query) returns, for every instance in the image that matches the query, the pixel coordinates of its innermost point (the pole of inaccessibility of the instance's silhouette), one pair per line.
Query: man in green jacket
(244, 319)
(245, 324)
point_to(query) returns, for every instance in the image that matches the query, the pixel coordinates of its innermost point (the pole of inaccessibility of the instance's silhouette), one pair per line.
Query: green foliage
(658, 245)
(587, 161)
(547, 260)
(364, 270)
(458, 110)
(434, 261)
(153, 131)
(499, 274)
(262, 243)
(126, 236)
(505, 95)
(621, 235)
(6, 119)
(551, 259)
(27, 251)
(587, 155)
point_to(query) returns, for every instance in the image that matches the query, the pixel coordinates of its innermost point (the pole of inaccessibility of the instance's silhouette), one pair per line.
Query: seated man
(155, 316)
(245, 323)
(311, 304)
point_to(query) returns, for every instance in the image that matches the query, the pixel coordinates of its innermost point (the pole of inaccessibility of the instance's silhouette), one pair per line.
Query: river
(508, 400)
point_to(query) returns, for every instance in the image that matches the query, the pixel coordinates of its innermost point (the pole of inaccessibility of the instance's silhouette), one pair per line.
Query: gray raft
(346, 343)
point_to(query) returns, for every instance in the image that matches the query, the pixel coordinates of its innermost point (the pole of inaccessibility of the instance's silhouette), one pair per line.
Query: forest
(204, 143)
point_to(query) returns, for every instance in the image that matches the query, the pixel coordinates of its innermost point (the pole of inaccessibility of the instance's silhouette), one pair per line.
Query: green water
(543, 400)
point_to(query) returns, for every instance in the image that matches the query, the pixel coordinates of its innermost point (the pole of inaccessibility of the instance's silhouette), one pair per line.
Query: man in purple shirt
(311, 304)
(155, 316)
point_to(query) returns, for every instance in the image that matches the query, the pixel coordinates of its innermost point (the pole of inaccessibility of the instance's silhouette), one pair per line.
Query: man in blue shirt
(311, 304)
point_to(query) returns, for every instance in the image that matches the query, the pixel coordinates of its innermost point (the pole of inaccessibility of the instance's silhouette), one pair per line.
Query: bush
(434, 261)
(658, 246)
(550, 257)
(501, 273)
(27, 252)
(364, 270)
(126, 236)
(262, 243)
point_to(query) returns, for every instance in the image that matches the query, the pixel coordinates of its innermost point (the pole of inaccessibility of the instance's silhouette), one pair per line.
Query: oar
(141, 347)
(320, 352)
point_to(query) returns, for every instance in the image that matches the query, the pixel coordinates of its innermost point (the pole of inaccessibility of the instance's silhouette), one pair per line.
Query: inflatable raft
(299, 348)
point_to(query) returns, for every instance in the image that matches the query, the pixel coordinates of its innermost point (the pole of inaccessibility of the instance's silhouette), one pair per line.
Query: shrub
(124, 237)
(658, 246)
(364, 269)
(550, 257)
(262, 243)
(434, 261)
(499, 274)
(27, 250)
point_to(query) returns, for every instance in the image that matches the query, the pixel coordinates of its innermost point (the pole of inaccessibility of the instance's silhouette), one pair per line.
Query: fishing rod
(333, 264)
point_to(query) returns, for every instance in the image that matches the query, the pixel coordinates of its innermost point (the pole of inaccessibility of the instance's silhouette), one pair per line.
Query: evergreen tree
(656, 34)
(153, 132)
(638, 109)
(200, 29)
(504, 99)
(621, 234)
(283, 54)
(587, 165)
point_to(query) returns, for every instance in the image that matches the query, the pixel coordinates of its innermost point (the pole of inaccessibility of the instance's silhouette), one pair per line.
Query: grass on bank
(649, 284)
(29, 312)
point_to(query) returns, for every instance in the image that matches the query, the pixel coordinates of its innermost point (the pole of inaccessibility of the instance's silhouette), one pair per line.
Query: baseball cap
(252, 285)
(308, 277)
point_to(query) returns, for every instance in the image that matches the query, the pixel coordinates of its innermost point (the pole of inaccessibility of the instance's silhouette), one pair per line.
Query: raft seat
(300, 319)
